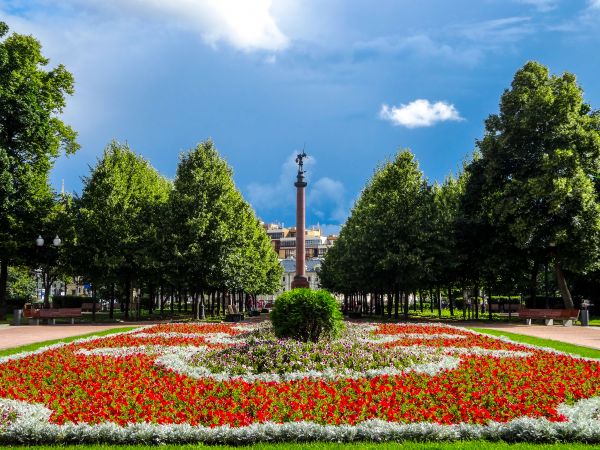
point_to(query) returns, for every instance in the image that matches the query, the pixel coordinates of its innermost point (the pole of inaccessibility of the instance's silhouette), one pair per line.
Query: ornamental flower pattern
(127, 379)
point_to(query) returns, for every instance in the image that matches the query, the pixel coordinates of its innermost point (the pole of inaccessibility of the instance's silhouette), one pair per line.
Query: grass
(462, 445)
(32, 347)
(557, 345)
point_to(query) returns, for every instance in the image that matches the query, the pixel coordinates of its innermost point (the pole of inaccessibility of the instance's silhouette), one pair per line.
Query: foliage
(540, 157)
(115, 227)
(21, 282)
(306, 315)
(214, 237)
(31, 138)
(381, 246)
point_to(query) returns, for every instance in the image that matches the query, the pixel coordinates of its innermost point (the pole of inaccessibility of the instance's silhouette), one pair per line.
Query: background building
(283, 241)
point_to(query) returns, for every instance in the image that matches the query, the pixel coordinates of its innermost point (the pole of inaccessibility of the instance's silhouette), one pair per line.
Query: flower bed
(238, 383)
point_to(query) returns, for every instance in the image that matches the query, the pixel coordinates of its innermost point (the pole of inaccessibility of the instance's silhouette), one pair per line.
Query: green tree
(540, 160)
(21, 282)
(382, 245)
(115, 232)
(31, 137)
(202, 208)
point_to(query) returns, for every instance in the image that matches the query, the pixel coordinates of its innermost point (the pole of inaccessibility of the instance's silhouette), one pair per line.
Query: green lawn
(462, 445)
(32, 347)
(557, 345)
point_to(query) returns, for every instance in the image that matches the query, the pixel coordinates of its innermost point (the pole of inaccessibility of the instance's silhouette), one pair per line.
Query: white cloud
(419, 45)
(419, 113)
(541, 5)
(280, 193)
(248, 25)
(505, 30)
(326, 197)
(594, 4)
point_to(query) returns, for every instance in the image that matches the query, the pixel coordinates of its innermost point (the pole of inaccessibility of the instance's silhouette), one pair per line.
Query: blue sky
(353, 81)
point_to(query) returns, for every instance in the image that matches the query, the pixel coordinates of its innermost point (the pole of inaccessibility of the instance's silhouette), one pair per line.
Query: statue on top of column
(300, 161)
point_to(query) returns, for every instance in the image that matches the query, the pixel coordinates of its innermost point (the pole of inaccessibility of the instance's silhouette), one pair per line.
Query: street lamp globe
(39, 241)
(56, 241)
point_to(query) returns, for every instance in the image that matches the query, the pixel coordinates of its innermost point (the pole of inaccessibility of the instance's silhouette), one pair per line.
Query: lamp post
(46, 276)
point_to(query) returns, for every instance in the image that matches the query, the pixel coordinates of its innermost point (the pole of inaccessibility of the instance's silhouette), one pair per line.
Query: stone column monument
(300, 280)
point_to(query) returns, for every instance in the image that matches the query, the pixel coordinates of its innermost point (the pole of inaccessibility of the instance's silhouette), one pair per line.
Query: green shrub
(306, 315)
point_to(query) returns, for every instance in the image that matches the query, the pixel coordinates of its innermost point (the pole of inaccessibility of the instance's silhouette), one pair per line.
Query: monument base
(300, 282)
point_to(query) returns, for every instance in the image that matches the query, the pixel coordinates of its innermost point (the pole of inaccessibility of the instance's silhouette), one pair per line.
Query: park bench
(51, 314)
(233, 315)
(88, 307)
(567, 316)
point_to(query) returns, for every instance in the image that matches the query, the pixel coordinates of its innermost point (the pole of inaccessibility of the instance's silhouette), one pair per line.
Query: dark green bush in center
(306, 315)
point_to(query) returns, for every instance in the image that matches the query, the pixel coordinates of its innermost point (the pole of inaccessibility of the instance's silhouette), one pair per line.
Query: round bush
(306, 315)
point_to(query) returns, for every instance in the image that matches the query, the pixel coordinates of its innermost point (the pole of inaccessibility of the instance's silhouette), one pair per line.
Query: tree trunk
(431, 300)
(3, 286)
(406, 305)
(533, 284)
(450, 300)
(111, 310)
(93, 302)
(421, 300)
(562, 286)
(476, 301)
(127, 297)
(161, 300)
(47, 287)
(202, 312)
(172, 305)
(396, 304)
(490, 303)
(150, 298)
(439, 300)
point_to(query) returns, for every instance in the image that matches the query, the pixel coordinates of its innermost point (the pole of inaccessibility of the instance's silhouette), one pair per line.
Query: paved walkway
(11, 336)
(577, 335)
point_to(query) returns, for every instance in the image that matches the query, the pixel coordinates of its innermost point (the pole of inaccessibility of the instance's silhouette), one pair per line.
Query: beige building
(284, 241)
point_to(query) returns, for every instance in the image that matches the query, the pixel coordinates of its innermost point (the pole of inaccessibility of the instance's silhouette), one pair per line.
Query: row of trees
(529, 197)
(195, 236)
(131, 229)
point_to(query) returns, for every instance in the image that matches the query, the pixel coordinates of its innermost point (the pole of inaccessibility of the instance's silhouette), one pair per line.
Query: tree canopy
(32, 136)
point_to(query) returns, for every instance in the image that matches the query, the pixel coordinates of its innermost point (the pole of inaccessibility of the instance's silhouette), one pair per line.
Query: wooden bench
(233, 315)
(88, 307)
(567, 316)
(52, 314)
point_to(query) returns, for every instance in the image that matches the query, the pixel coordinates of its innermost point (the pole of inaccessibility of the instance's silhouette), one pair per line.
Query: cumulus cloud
(325, 201)
(248, 25)
(419, 113)
(327, 198)
(594, 4)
